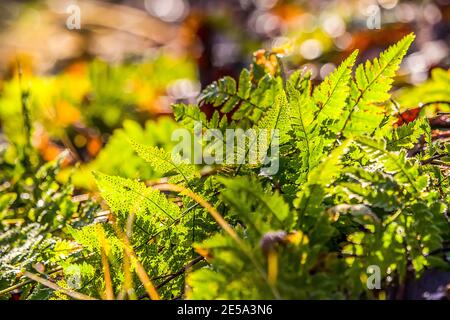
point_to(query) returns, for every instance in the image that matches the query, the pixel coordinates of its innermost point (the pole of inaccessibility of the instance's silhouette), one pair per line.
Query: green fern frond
(225, 93)
(167, 164)
(301, 105)
(332, 93)
(310, 197)
(302, 110)
(222, 93)
(407, 135)
(373, 80)
(243, 192)
(252, 101)
(404, 170)
(188, 115)
(277, 117)
(126, 196)
(88, 237)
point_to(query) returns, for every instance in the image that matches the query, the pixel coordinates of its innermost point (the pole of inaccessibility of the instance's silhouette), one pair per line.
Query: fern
(331, 95)
(405, 172)
(166, 163)
(188, 115)
(310, 197)
(273, 205)
(35, 209)
(129, 196)
(308, 231)
(406, 136)
(277, 117)
(251, 99)
(372, 83)
(303, 120)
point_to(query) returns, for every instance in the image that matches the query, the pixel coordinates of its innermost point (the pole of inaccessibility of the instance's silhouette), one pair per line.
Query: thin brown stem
(54, 286)
(176, 274)
(433, 158)
(140, 271)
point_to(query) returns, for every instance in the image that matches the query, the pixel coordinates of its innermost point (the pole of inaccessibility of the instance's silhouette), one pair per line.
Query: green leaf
(407, 135)
(166, 163)
(126, 196)
(310, 197)
(373, 80)
(277, 117)
(250, 190)
(245, 84)
(404, 170)
(332, 93)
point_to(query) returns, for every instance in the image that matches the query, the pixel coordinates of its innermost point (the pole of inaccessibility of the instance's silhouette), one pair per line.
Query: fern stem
(235, 95)
(54, 286)
(24, 283)
(423, 105)
(435, 157)
(172, 276)
(139, 268)
(109, 293)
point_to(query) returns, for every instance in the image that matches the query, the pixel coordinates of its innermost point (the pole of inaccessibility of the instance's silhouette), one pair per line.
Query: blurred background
(217, 35)
(97, 72)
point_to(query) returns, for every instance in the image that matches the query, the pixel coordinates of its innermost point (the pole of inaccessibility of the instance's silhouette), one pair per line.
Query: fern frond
(310, 197)
(405, 172)
(167, 164)
(277, 117)
(304, 124)
(373, 80)
(262, 97)
(332, 93)
(89, 239)
(252, 101)
(242, 193)
(189, 114)
(301, 105)
(245, 84)
(407, 135)
(221, 93)
(125, 196)
(225, 93)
